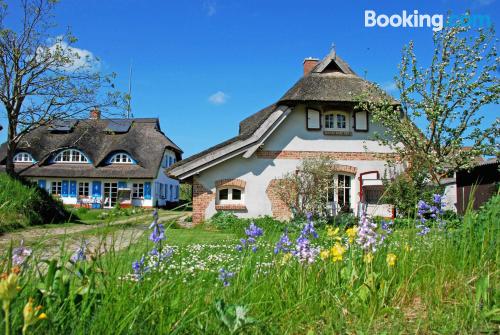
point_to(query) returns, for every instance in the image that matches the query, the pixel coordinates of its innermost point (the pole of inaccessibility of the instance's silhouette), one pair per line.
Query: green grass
(444, 283)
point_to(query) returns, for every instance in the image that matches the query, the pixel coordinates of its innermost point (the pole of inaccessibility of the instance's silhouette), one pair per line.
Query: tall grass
(445, 283)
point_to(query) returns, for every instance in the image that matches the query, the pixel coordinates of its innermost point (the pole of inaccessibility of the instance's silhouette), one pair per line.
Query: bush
(230, 222)
(25, 204)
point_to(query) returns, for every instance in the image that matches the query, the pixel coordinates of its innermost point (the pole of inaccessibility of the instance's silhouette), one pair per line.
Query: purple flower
(367, 236)
(158, 233)
(283, 244)
(253, 232)
(433, 212)
(224, 276)
(304, 251)
(79, 254)
(20, 254)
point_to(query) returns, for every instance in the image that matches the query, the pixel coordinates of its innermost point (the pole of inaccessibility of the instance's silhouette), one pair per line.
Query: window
(83, 189)
(71, 156)
(372, 195)
(56, 188)
(23, 157)
(344, 190)
(229, 196)
(336, 121)
(172, 192)
(121, 158)
(138, 191)
(162, 191)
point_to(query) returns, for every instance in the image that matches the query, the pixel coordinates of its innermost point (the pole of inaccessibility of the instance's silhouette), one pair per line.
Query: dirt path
(115, 236)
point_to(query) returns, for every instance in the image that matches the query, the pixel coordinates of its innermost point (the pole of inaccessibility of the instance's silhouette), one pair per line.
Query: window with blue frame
(71, 156)
(121, 158)
(23, 157)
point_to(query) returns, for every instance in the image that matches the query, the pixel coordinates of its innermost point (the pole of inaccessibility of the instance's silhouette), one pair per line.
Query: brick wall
(358, 156)
(230, 182)
(279, 208)
(201, 199)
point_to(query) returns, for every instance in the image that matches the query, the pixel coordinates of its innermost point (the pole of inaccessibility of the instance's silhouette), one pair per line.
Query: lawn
(195, 281)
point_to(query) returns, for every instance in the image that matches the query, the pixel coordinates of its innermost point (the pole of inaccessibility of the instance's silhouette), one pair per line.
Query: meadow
(267, 278)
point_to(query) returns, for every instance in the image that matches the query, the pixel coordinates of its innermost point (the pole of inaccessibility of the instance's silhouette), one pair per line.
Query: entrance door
(110, 194)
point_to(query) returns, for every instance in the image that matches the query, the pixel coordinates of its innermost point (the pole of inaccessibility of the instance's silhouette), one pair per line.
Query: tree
(305, 190)
(44, 78)
(446, 97)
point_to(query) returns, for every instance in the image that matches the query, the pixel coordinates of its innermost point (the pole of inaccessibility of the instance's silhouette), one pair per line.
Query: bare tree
(44, 77)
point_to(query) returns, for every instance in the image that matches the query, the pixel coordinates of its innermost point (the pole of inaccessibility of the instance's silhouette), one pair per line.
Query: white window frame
(121, 158)
(57, 186)
(71, 156)
(335, 115)
(23, 157)
(83, 189)
(137, 189)
(230, 200)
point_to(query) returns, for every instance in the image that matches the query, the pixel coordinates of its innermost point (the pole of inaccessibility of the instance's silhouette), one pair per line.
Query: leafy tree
(305, 190)
(44, 77)
(446, 97)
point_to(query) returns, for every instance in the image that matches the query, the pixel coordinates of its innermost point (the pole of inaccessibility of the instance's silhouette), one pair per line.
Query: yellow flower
(286, 258)
(391, 259)
(324, 254)
(28, 313)
(351, 233)
(407, 247)
(8, 287)
(42, 316)
(337, 252)
(368, 258)
(330, 232)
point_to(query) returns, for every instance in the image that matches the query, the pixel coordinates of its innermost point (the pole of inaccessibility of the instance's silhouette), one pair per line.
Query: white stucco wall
(293, 135)
(170, 183)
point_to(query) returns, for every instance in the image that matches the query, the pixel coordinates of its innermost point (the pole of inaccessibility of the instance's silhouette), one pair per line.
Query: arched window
(229, 195)
(121, 158)
(336, 120)
(71, 156)
(23, 157)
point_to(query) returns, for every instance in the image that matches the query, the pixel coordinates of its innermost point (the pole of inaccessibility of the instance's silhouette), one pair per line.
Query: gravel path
(102, 237)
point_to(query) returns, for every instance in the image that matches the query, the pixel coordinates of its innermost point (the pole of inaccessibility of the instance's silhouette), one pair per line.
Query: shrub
(25, 204)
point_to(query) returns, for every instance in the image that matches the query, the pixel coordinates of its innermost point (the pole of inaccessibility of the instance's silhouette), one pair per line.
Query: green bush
(24, 204)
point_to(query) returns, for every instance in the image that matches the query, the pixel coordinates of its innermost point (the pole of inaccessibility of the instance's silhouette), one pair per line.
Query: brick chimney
(309, 64)
(95, 114)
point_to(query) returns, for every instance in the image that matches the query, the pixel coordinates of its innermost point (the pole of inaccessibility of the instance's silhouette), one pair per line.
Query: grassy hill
(23, 204)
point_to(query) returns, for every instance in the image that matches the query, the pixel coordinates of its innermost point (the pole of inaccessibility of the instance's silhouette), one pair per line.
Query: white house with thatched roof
(100, 163)
(314, 118)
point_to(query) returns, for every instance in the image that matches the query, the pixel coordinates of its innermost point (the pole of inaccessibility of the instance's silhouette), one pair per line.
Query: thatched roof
(144, 141)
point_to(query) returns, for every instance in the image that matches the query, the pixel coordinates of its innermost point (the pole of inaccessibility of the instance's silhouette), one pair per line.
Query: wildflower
(351, 233)
(330, 232)
(368, 258)
(158, 233)
(407, 247)
(79, 254)
(20, 254)
(391, 259)
(224, 276)
(30, 315)
(367, 237)
(337, 252)
(283, 244)
(8, 287)
(286, 258)
(253, 232)
(324, 254)
(42, 316)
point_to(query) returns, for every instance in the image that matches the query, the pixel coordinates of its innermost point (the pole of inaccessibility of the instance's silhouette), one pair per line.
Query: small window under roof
(118, 126)
(62, 125)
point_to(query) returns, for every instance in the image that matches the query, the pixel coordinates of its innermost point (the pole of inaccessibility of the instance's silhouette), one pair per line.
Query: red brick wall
(231, 182)
(201, 199)
(266, 154)
(279, 208)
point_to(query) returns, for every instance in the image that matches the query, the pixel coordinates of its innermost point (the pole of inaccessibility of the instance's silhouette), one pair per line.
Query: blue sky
(202, 66)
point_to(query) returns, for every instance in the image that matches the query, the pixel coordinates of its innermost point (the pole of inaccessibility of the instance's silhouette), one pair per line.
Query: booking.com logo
(416, 20)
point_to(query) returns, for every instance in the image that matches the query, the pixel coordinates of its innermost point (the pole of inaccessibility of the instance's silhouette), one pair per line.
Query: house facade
(315, 118)
(100, 163)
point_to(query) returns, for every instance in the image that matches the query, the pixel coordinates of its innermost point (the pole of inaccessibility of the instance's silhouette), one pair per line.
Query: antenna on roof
(332, 49)
(129, 105)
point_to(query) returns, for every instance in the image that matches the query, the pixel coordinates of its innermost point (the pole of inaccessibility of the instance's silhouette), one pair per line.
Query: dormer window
(71, 156)
(121, 158)
(336, 121)
(23, 157)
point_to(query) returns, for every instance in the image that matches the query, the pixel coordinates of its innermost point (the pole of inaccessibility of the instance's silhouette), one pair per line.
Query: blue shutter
(96, 189)
(42, 184)
(147, 190)
(64, 191)
(72, 188)
(122, 184)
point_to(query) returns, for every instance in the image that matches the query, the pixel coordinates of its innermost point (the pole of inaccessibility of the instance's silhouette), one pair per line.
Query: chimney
(95, 114)
(309, 64)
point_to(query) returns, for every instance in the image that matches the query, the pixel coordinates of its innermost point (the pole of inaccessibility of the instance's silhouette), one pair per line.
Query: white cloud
(210, 7)
(218, 98)
(75, 59)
